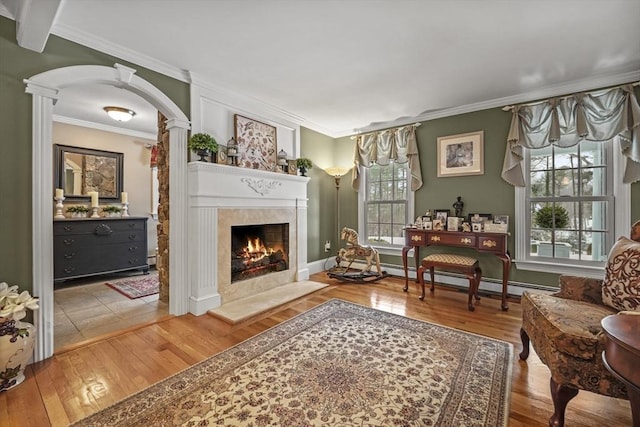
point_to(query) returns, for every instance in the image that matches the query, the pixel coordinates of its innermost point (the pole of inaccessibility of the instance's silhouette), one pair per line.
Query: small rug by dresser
(336, 364)
(137, 287)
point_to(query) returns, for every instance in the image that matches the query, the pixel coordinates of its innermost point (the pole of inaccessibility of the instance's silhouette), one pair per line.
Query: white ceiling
(355, 64)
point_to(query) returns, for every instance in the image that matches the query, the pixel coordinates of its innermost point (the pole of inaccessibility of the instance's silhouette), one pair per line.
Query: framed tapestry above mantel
(256, 144)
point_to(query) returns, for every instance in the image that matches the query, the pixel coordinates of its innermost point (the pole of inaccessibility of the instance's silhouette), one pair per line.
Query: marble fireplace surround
(221, 196)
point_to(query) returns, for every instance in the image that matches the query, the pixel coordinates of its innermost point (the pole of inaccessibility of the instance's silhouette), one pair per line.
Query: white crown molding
(103, 127)
(119, 51)
(590, 83)
(235, 100)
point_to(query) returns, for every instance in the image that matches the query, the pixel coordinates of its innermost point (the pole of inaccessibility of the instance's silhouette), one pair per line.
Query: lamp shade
(120, 114)
(337, 171)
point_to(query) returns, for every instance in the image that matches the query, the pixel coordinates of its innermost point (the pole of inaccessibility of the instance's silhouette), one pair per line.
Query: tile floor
(87, 308)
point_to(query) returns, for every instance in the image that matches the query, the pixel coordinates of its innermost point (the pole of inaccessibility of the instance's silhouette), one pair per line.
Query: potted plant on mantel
(203, 144)
(303, 164)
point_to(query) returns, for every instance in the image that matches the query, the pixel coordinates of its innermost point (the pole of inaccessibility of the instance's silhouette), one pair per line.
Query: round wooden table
(621, 355)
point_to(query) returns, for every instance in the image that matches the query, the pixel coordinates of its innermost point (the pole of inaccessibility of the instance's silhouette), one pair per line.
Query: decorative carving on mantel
(261, 186)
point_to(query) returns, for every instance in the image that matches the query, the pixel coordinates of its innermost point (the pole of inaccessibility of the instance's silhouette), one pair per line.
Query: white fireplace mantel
(217, 192)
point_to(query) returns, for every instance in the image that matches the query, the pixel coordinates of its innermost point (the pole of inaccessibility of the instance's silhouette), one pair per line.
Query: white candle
(94, 199)
(59, 193)
(124, 197)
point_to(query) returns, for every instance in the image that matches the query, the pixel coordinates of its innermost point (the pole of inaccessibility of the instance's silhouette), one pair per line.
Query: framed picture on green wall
(461, 155)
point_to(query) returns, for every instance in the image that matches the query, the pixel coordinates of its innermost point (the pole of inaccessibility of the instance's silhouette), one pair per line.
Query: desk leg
(405, 250)
(634, 399)
(506, 268)
(416, 260)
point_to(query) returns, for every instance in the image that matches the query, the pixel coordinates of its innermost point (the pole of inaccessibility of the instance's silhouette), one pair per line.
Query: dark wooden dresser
(85, 247)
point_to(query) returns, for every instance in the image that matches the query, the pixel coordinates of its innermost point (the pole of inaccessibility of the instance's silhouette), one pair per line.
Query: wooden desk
(621, 355)
(494, 243)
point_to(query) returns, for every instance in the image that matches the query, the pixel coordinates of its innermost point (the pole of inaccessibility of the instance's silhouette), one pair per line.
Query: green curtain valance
(391, 145)
(564, 122)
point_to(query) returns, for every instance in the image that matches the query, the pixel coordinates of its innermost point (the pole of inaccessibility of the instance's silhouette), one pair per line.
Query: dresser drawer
(95, 226)
(96, 246)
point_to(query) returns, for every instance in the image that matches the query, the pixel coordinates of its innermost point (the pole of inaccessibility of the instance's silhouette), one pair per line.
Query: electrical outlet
(327, 246)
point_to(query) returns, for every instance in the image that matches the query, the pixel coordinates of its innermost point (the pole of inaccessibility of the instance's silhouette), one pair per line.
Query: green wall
(487, 193)
(321, 192)
(17, 64)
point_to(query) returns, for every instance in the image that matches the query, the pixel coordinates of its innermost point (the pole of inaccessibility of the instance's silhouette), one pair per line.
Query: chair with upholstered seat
(466, 265)
(564, 327)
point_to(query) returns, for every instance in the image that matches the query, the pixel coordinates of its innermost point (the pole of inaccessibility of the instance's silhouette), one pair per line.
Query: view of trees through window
(570, 201)
(386, 204)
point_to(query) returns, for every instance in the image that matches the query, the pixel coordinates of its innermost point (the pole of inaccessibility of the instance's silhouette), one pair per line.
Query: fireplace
(257, 250)
(225, 197)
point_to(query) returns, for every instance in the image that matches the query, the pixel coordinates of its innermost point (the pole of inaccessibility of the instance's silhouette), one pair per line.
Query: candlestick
(124, 197)
(94, 199)
(125, 209)
(94, 209)
(59, 193)
(59, 206)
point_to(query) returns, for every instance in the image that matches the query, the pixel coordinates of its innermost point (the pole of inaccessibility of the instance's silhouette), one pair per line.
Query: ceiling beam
(34, 21)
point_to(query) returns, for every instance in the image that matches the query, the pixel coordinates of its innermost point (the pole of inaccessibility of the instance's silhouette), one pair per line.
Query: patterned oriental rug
(337, 364)
(137, 287)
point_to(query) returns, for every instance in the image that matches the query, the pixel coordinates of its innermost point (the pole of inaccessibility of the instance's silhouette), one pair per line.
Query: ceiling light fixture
(120, 114)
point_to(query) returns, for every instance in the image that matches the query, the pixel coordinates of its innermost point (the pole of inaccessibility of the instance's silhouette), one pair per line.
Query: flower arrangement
(111, 209)
(78, 209)
(14, 305)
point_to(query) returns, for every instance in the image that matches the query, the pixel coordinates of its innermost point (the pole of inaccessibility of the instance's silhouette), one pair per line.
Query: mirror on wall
(81, 170)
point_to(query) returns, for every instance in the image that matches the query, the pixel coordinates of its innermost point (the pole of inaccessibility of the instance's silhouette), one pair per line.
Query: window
(568, 209)
(386, 204)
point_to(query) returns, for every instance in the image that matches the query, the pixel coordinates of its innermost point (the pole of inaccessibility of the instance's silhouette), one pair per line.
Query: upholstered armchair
(564, 327)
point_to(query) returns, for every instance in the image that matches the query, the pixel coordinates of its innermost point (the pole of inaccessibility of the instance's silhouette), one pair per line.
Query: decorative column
(301, 219)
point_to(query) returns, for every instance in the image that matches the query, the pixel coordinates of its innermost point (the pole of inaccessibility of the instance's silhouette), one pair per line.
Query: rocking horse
(352, 252)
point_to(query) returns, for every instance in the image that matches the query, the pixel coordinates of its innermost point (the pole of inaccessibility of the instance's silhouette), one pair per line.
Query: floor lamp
(337, 173)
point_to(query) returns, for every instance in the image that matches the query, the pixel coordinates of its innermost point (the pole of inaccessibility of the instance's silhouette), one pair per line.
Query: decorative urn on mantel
(17, 338)
(203, 144)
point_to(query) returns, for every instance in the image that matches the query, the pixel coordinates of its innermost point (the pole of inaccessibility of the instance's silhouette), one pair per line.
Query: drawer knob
(465, 241)
(133, 261)
(69, 269)
(132, 236)
(69, 255)
(133, 248)
(68, 228)
(490, 243)
(103, 230)
(68, 241)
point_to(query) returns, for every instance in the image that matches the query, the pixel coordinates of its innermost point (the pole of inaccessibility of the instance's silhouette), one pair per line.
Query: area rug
(137, 287)
(339, 364)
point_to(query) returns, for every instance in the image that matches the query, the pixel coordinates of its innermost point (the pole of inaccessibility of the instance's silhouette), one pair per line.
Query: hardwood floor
(78, 382)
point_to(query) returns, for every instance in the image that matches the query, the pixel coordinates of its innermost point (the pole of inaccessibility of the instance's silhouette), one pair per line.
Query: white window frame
(621, 220)
(395, 250)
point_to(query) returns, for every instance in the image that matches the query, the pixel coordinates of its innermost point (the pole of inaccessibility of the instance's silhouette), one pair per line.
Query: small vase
(303, 171)
(16, 348)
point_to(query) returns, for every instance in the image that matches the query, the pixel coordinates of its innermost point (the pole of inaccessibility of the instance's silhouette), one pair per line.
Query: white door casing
(46, 88)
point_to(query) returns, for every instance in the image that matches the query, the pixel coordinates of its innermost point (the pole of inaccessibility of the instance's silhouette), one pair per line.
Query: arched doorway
(45, 88)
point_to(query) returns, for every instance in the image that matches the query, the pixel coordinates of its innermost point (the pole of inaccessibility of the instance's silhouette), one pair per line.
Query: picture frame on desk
(427, 225)
(490, 227)
(501, 219)
(476, 227)
(480, 218)
(437, 225)
(442, 215)
(453, 223)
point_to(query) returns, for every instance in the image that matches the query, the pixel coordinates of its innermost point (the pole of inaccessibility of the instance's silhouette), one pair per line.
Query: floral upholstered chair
(564, 327)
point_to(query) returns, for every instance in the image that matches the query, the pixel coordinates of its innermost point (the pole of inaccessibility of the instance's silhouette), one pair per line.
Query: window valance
(391, 145)
(564, 122)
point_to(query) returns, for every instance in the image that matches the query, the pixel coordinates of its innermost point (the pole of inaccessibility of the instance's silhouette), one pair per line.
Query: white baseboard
(453, 280)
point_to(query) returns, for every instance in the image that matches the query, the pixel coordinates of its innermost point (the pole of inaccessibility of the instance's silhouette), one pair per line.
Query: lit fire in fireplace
(255, 251)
